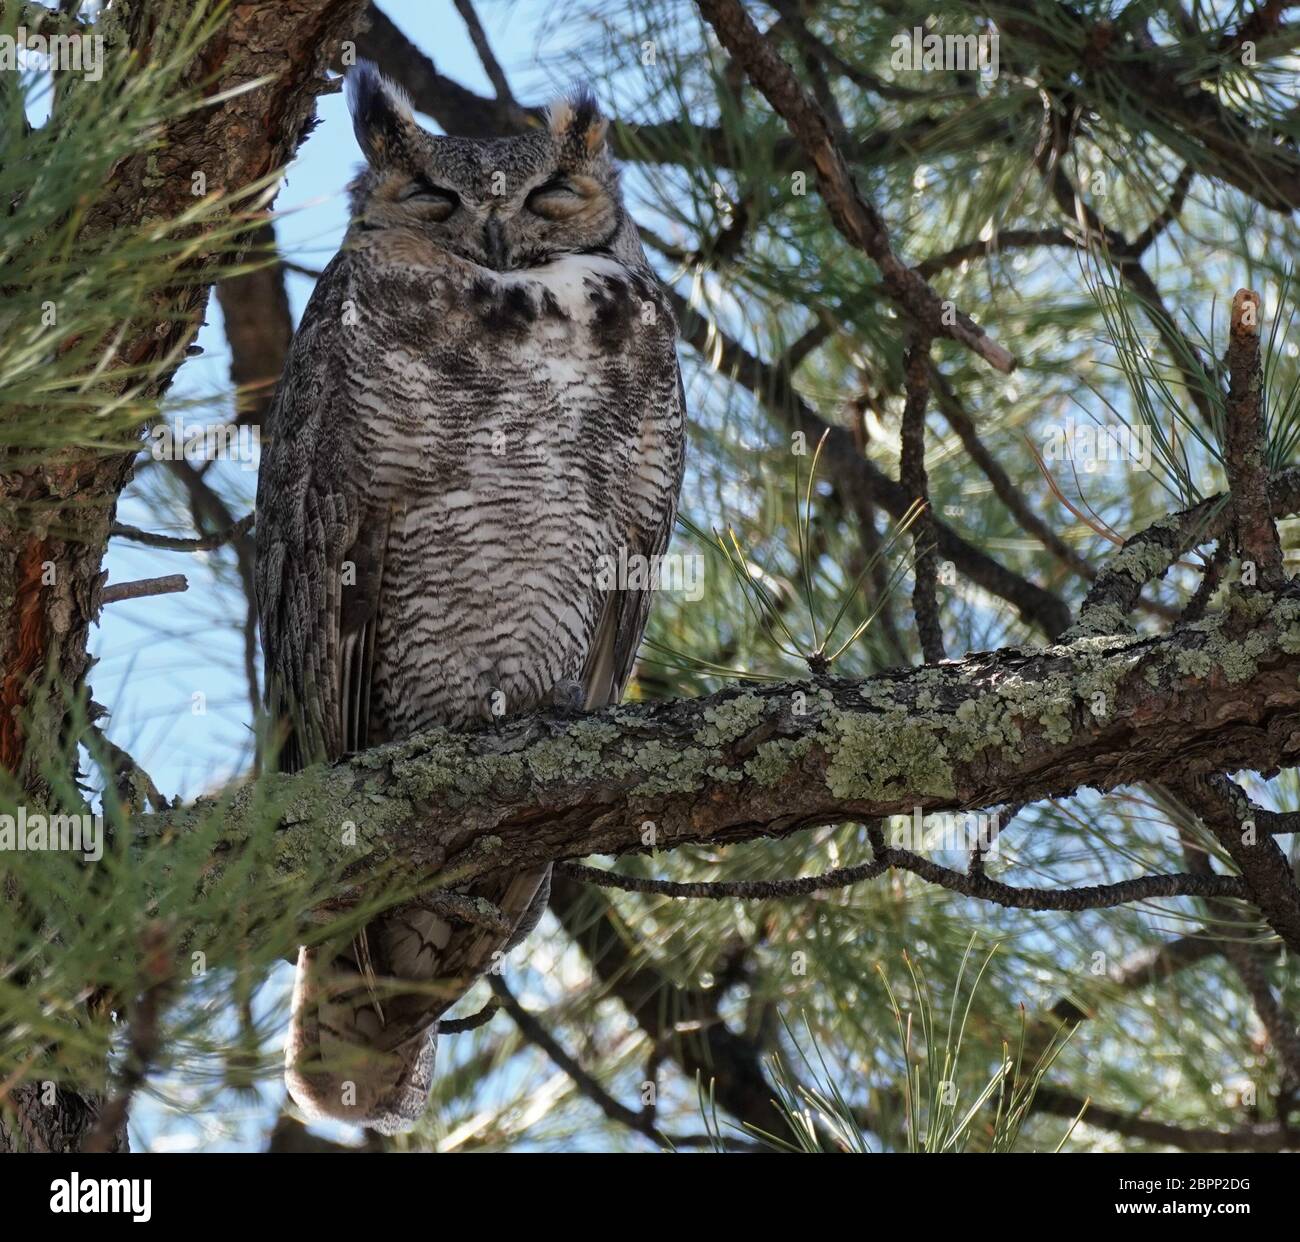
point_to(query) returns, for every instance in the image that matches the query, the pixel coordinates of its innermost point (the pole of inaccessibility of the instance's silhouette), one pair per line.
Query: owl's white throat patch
(566, 277)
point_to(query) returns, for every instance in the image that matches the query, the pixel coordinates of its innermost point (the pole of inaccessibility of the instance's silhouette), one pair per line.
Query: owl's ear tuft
(577, 124)
(381, 110)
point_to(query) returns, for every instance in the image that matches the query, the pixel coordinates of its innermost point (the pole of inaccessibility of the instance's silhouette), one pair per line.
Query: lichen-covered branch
(1147, 555)
(1008, 726)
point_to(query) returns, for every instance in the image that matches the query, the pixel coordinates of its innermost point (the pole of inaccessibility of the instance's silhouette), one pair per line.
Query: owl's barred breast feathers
(482, 404)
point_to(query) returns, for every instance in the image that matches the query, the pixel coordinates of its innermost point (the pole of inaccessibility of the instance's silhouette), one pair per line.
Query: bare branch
(1225, 811)
(170, 543)
(1246, 450)
(911, 474)
(1096, 897)
(679, 1021)
(142, 588)
(1145, 239)
(1007, 239)
(1264, 1136)
(536, 1033)
(726, 890)
(458, 1026)
(491, 66)
(1011, 496)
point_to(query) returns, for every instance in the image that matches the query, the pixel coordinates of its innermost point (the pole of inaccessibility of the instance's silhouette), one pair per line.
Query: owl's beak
(494, 244)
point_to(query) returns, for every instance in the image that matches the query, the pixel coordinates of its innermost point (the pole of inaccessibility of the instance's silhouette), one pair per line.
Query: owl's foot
(568, 695)
(472, 911)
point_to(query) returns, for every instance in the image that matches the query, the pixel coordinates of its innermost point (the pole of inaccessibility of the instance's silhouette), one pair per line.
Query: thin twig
(911, 474)
(142, 588)
(170, 543)
(124, 766)
(458, 1026)
(491, 66)
(1143, 241)
(723, 890)
(1013, 497)
(1091, 897)
(1266, 1136)
(1008, 239)
(536, 1033)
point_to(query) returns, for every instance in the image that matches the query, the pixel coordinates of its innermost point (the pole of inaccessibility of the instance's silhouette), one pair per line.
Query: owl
(481, 413)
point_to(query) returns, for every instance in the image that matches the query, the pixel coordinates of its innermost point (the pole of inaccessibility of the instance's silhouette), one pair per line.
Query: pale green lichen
(668, 770)
(1098, 620)
(1145, 560)
(1193, 663)
(577, 754)
(728, 721)
(874, 764)
(1057, 727)
(771, 761)
(1250, 604)
(1240, 660)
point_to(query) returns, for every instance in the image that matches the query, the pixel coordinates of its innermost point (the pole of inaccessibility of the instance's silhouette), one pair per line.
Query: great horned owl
(482, 403)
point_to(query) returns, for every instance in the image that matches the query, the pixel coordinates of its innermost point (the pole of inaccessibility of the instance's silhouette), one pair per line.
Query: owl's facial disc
(498, 222)
(506, 204)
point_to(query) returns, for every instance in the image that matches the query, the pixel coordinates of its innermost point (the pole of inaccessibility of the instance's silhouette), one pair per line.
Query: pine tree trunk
(51, 573)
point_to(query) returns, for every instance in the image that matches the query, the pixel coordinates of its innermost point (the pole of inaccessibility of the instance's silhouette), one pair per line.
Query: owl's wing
(625, 612)
(321, 533)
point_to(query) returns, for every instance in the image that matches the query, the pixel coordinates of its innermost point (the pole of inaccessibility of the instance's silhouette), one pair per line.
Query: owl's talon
(473, 911)
(568, 696)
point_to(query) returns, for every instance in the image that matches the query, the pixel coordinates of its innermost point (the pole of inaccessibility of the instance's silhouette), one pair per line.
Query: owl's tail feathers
(352, 1055)
(361, 1039)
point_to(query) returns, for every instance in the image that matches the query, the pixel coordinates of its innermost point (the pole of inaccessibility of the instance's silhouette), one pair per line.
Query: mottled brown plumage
(481, 406)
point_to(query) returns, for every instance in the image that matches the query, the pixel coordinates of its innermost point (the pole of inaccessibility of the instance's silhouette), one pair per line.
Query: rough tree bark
(61, 511)
(1010, 726)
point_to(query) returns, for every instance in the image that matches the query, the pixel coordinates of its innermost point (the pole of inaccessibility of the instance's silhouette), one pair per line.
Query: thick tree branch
(1000, 727)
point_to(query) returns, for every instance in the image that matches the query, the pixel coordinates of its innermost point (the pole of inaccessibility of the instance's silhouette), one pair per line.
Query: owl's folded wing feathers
(321, 532)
